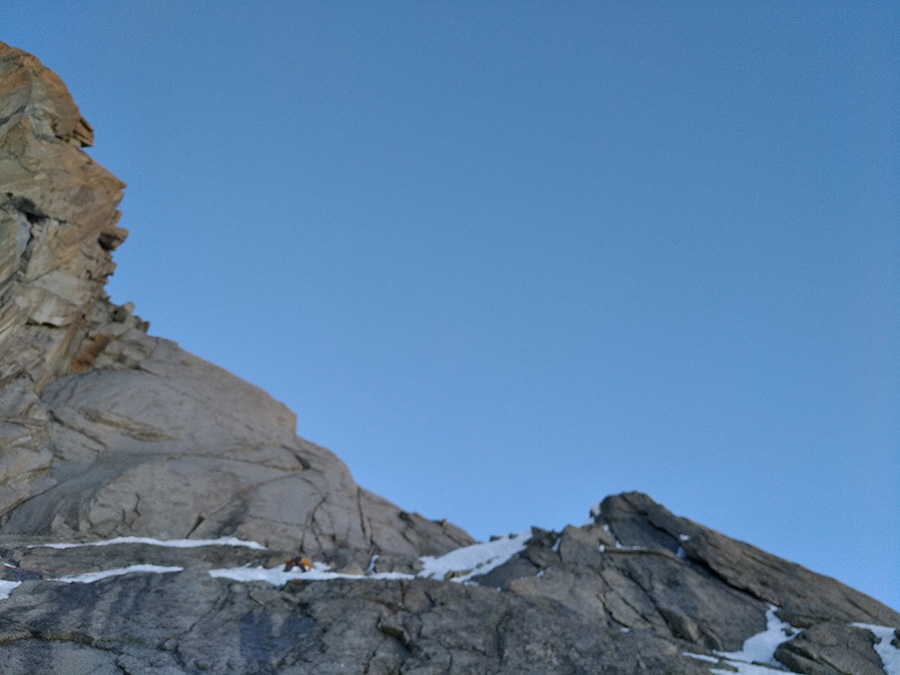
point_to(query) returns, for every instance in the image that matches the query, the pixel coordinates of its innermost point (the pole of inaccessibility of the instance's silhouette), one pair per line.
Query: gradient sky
(506, 258)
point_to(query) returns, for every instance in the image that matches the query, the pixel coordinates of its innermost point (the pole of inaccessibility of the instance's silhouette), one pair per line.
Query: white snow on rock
(7, 587)
(593, 514)
(172, 543)
(758, 655)
(459, 565)
(701, 657)
(91, 577)
(462, 564)
(278, 577)
(888, 653)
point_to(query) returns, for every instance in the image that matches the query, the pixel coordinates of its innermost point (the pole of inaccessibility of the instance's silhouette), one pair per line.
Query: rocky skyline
(159, 515)
(538, 256)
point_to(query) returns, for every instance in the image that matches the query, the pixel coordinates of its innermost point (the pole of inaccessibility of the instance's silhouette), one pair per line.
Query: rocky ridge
(107, 432)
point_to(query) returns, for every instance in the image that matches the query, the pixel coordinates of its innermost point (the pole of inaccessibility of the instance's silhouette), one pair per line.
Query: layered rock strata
(187, 489)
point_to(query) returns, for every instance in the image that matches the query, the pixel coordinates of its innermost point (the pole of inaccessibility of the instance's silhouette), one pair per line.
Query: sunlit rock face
(107, 431)
(213, 539)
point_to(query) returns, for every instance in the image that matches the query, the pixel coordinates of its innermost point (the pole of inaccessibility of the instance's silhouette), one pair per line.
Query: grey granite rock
(805, 598)
(831, 648)
(200, 624)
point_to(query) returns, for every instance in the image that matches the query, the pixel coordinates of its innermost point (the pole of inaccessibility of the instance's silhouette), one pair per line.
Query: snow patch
(702, 657)
(91, 577)
(593, 514)
(463, 563)
(278, 577)
(888, 653)
(7, 587)
(758, 655)
(172, 543)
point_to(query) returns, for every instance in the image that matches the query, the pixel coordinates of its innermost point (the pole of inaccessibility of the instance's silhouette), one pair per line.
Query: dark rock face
(107, 432)
(332, 627)
(579, 601)
(831, 647)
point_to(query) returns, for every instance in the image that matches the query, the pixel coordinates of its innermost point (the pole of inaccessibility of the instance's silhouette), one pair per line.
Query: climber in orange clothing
(301, 562)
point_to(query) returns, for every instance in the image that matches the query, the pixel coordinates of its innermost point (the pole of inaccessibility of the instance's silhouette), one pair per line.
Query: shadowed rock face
(108, 432)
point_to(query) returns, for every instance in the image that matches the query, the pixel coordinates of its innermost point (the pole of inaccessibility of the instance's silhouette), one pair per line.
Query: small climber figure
(299, 562)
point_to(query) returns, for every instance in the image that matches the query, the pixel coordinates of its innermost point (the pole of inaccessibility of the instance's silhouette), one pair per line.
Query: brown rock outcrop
(58, 220)
(57, 227)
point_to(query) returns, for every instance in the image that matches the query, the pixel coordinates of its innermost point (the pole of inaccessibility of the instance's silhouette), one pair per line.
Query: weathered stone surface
(805, 598)
(107, 432)
(57, 221)
(176, 447)
(341, 626)
(831, 648)
(57, 227)
(614, 610)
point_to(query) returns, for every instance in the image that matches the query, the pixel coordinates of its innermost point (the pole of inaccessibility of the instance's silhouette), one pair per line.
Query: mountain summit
(159, 515)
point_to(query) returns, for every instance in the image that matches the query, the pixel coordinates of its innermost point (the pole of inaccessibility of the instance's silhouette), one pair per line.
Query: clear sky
(506, 258)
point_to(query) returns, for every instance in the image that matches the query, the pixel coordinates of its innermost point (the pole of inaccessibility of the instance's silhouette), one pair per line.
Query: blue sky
(508, 258)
